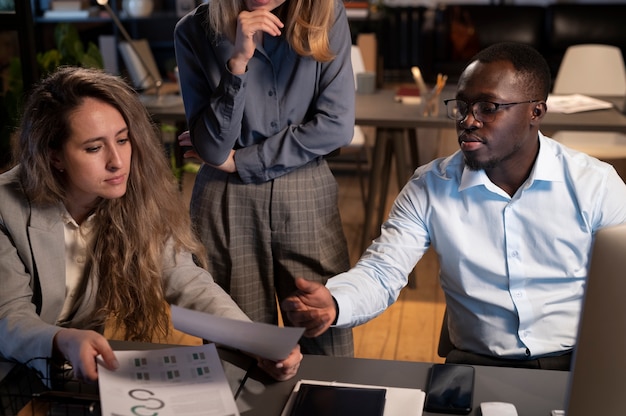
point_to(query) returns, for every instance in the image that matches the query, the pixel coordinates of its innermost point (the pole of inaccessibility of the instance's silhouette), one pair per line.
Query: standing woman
(268, 91)
(91, 230)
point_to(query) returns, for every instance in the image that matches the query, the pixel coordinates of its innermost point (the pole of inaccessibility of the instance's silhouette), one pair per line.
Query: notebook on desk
(598, 380)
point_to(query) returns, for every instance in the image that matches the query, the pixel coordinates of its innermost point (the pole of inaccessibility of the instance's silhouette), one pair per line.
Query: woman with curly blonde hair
(268, 89)
(92, 230)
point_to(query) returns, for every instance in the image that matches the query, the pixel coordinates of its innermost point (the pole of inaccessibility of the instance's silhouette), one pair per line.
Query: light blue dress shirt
(513, 269)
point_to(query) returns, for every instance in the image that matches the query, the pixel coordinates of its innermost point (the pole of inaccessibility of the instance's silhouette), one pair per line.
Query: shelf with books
(356, 9)
(70, 9)
(79, 15)
(96, 26)
(69, 14)
(68, 5)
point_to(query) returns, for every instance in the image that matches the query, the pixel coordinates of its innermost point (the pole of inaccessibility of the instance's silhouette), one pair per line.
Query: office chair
(594, 70)
(591, 69)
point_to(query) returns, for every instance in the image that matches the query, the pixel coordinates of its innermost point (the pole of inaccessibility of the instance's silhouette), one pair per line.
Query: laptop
(598, 379)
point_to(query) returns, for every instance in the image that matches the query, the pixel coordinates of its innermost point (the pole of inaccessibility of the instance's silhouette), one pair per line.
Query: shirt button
(527, 352)
(273, 124)
(270, 93)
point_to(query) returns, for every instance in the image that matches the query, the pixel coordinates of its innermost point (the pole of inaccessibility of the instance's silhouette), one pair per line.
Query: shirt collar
(70, 221)
(546, 168)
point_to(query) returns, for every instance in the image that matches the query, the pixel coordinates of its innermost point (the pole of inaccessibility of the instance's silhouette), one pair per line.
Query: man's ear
(539, 111)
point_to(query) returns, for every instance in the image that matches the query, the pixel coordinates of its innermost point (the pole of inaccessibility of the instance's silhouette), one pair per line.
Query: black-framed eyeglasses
(483, 111)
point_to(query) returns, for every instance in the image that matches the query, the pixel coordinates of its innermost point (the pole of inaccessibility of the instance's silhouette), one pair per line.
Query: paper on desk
(180, 381)
(398, 401)
(575, 103)
(265, 340)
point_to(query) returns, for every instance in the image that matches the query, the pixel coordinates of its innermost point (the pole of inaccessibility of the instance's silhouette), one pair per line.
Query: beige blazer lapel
(47, 239)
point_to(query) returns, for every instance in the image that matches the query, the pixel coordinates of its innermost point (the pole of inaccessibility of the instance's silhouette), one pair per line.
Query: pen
(245, 378)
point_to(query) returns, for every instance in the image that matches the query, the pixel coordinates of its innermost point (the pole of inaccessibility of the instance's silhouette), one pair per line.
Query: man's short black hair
(531, 65)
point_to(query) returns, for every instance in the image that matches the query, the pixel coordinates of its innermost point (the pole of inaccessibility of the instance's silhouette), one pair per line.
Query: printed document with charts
(178, 381)
(185, 381)
(398, 401)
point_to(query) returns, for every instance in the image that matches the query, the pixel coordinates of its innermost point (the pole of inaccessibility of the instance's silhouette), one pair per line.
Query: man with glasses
(511, 215)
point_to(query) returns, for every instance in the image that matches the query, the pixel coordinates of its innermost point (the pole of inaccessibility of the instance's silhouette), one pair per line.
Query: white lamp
(151, 72)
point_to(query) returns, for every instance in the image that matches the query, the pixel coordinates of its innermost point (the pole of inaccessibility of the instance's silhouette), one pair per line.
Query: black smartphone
(450, 389)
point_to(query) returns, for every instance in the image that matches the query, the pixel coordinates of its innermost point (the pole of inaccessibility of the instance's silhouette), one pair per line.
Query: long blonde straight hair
(307, 23)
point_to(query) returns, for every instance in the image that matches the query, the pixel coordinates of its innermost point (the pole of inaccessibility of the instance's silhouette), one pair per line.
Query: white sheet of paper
(179, 381)
(265, 340)
(398, 401)
(575, 103)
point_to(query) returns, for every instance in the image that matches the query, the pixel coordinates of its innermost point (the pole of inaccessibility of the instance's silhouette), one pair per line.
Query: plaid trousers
(260, 236)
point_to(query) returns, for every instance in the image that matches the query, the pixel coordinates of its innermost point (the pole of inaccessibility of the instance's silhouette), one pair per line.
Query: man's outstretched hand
(311, 306)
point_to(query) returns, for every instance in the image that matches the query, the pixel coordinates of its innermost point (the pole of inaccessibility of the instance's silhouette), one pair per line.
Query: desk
(380, 110)
(533, 392)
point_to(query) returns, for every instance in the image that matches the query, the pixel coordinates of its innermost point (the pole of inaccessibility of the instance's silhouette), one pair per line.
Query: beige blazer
(32, 278)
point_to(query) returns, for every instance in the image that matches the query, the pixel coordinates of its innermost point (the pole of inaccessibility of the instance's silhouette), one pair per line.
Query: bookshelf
(157, 28)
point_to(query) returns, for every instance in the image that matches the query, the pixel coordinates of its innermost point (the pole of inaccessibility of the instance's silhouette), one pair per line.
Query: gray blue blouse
(284, 112)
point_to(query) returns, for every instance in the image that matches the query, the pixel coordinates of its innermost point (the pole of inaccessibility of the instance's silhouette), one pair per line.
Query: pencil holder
(431, 104)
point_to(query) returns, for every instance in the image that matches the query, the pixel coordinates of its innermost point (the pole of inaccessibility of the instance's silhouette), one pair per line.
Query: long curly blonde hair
(307, 23)
(131, 232)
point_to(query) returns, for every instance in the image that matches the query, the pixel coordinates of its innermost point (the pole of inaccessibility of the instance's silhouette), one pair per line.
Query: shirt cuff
(249, 165)
(344, 310)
